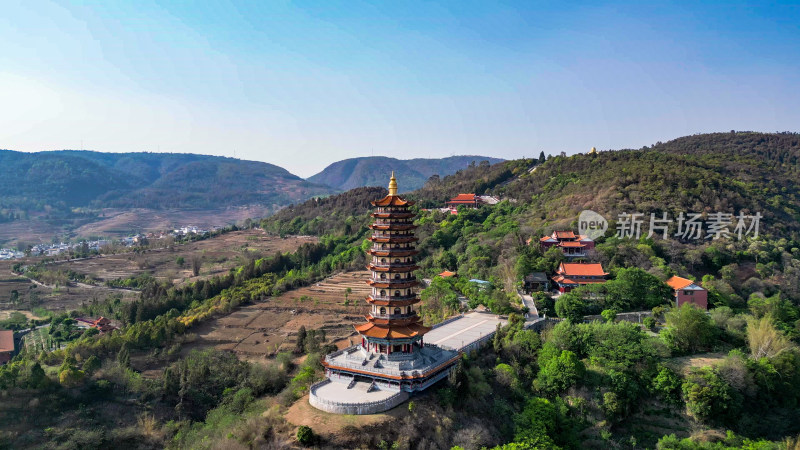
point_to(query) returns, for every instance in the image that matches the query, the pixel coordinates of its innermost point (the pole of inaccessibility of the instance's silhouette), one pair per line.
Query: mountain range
(373, 171)
(68, 179)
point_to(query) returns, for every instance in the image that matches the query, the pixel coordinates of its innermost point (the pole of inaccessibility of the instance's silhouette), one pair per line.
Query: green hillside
(372, 171)
(68, 179)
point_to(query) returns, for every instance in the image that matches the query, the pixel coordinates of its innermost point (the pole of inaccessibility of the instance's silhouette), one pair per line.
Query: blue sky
(304, 84)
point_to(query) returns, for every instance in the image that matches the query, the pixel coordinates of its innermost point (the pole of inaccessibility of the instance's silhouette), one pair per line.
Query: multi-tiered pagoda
(391, 359)
(393, 325)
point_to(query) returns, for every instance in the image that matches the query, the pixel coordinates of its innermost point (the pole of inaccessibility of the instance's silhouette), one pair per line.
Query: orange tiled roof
(545, 239)
(570, 244)
(6, 341)
(581, 270)
(382, 332)
(447, 273)
(564, 234)
(463, 198)
(679, 282)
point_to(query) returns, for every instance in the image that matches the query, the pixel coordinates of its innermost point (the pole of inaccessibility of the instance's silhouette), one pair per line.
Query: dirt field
(61, 299)
(683, 364)
(257, 331)
(329, 425)
(118, 223)
(218, 255)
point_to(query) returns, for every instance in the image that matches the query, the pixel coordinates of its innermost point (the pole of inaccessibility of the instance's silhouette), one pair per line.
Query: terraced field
(263, 329)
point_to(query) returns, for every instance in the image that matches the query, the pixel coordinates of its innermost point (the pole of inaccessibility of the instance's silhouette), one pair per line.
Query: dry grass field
(116, 223)
(257, 331)
(218, 256)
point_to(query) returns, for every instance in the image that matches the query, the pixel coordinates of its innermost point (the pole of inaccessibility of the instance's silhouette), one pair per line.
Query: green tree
(300, 346)
(559, 373)
(709, 398)
(634, 288)
(536, 424)
(689, 329)
(667, 384)
(91, 365)
(305, 435)
(571, 306)
(609, 315)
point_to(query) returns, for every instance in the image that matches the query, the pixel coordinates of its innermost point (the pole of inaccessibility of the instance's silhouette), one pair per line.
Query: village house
(6, 346)
(572, 245)
(571, 275)
(101, 323)
(687, 291)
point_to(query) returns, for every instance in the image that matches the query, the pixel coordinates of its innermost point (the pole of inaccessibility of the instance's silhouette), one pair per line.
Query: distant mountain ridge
(70, 178)
(373, 170)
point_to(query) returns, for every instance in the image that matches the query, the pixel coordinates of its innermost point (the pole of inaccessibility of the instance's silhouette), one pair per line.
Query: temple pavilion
(392, 356)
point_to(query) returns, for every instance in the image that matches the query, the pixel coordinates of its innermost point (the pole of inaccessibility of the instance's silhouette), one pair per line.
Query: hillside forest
(679, 378)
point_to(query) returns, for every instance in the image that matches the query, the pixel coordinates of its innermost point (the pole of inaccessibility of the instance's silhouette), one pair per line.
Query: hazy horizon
(304, 86)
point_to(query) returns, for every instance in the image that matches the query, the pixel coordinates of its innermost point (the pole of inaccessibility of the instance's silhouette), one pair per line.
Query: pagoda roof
(564, 235)
(392, 200)
(447, 274)
(372, 330)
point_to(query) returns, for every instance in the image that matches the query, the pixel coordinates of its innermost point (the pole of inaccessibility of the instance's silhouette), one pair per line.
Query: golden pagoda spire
(393, 185)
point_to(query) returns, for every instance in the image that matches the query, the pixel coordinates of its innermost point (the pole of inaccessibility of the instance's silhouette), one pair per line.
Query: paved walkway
(462, 332)
(527, 300)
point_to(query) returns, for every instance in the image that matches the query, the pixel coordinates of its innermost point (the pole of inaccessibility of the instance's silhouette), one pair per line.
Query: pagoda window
(383, 293)
(397, 293)
(397, 260)
(383, 276)
(383, 260)
(398, 311)
(396, 276)
(383, 311)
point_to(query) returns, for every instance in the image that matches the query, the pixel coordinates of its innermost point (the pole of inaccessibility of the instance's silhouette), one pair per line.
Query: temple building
(572, 245)
(391, 358)
(471, 201)
(571, 275)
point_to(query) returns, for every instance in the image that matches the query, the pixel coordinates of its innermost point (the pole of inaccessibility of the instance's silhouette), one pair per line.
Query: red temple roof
(463, 198)
(447, 274)
(571, 244)
(581, 270)
(564, 234)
